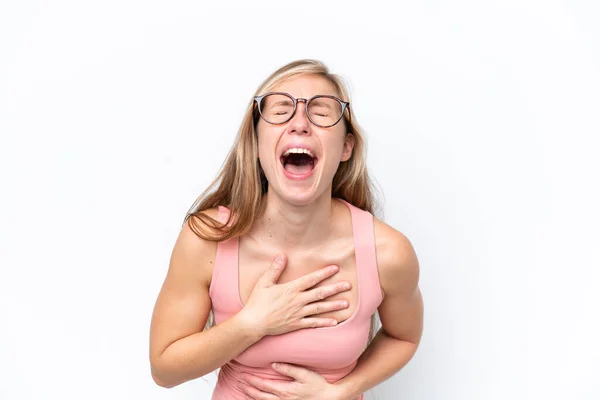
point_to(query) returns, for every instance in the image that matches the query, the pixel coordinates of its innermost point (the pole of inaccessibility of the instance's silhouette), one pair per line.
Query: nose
(299, 123)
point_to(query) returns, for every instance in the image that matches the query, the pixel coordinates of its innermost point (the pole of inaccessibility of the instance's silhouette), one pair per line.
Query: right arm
(179, 348)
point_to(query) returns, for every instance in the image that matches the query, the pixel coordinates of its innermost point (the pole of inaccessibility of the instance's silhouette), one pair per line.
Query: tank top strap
(225, 273)
(366, 258)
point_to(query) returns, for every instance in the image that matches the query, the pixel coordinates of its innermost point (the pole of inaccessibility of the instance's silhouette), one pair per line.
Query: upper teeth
(298, 150)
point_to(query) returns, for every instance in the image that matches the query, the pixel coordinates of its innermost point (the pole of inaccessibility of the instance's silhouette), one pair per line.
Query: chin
(298, 196)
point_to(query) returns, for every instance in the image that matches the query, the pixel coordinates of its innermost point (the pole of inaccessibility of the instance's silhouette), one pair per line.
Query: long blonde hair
(241, 183)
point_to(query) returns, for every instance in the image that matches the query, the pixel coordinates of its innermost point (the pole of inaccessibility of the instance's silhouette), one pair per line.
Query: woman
(294, 187)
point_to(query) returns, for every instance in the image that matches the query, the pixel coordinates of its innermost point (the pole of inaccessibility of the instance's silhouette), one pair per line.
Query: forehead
(306, 86)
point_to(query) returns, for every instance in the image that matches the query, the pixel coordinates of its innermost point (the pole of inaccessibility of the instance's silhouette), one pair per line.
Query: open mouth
(298, 161)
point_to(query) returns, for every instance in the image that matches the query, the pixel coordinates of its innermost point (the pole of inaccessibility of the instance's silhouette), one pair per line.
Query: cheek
(266, 149)
(335, 146)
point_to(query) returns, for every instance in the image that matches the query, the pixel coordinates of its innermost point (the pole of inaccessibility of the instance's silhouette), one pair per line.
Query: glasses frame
(345, 105)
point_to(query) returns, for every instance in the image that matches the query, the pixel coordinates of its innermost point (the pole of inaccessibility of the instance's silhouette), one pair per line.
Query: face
(299, 158)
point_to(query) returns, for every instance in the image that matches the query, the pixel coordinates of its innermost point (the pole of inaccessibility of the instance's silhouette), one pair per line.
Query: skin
(306, 200)
(401, 314)
(301, 220)
(299, 217)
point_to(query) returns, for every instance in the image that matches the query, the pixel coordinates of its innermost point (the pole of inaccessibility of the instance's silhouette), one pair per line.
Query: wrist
(248, 326)
(341, 390)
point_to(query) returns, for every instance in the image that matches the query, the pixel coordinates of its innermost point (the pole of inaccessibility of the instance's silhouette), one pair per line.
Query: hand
(273, 309)
(308, 385)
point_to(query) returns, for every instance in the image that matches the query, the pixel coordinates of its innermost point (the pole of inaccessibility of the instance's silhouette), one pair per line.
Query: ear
(348, 146)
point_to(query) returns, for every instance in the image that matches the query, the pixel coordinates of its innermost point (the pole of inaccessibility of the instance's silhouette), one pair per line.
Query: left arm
(401, 314)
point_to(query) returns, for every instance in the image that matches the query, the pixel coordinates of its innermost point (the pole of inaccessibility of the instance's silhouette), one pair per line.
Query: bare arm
(401, 315)
(179, 348)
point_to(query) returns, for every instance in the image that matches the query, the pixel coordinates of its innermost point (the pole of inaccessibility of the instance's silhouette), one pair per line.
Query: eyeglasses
(322, 110)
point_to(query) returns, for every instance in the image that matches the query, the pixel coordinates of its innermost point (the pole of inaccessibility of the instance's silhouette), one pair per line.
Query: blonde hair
(241, 183)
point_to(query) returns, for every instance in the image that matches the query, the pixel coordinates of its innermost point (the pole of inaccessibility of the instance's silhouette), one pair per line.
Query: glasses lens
(324, 111)
(276, 108)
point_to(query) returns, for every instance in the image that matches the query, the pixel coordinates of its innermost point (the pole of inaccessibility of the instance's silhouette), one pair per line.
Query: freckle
(270, 236)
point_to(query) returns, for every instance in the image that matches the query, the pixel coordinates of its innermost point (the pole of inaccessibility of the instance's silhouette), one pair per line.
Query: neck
(290, 227)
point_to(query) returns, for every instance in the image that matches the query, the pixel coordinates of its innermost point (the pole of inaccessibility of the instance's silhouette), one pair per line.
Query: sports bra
(330, 351)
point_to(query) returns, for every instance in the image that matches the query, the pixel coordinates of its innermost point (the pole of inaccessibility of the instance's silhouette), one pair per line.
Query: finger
(324, 292)
(299, 374)
(256, 394)
(274, 271)
(268, 386)
(317, 322)
(311, 279)
(323, 307)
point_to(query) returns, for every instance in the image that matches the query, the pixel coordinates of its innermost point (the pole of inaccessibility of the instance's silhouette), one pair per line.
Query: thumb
(272, 274)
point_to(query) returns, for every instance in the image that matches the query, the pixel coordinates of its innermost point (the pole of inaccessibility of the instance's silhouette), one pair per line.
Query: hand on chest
(254, 261)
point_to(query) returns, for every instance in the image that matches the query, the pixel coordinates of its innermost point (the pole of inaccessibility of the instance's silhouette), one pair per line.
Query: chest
(254, 260)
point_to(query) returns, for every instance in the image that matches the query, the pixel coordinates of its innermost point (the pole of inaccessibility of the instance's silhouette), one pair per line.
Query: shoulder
(396, 260)
(191, 252)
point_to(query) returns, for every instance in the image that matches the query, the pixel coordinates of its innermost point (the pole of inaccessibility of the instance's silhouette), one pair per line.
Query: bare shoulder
(401, 311)
(396, 259)
(193, 250)
(183, 303)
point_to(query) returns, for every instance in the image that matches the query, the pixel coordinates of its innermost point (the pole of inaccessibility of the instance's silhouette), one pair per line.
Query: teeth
(298, 150)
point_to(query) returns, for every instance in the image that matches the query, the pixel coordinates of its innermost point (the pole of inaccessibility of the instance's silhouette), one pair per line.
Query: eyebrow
(321, 103)
(282, 102)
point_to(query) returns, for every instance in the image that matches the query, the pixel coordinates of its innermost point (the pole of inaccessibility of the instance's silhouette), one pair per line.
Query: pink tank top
(329, 351)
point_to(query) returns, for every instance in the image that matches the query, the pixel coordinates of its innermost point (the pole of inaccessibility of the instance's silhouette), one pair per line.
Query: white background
(482, 121)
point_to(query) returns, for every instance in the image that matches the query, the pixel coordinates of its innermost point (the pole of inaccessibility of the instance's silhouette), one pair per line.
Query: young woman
(283, 250)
